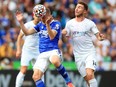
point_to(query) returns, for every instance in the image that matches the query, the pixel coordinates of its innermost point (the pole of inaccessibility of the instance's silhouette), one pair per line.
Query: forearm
(24, 29)
(19, 46)
(50, 32)
(19, 43)
(64, 39)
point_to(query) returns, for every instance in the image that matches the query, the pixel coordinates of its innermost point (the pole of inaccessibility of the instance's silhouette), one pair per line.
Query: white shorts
(44, 59)
(88, 61)
(28, 56)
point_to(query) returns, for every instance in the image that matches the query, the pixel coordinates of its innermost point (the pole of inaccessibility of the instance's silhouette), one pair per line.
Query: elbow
(65, 41)
(51, 38)
(64, 32)
(26, 34)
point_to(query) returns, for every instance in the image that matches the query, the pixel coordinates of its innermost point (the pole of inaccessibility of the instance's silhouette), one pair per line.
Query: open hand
(19, 15)
(49, 19)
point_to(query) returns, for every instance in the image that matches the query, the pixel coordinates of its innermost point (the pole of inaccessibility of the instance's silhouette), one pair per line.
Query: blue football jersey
(45, 44)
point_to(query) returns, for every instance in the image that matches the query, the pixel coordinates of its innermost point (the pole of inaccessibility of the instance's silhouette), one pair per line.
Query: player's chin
(77, 15)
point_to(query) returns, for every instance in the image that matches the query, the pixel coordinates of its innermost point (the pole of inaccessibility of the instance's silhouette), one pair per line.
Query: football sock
(42, 78)
(87, 85)
(93, 83)
(19, 79)
(64, 74)
(40, 83)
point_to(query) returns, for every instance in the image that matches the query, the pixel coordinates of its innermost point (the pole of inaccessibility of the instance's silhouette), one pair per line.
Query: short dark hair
(48, 11)
(84, 4)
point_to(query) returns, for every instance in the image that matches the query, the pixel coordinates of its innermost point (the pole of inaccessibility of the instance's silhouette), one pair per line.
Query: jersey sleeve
(56, 27)
(26, 25)
(94, 28)
(36, 27)
(67, 27)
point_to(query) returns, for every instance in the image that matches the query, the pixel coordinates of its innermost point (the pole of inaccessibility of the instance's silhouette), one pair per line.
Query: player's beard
(79, 15)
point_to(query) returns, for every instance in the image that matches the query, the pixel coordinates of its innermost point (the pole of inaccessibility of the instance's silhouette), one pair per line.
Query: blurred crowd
(101, 12)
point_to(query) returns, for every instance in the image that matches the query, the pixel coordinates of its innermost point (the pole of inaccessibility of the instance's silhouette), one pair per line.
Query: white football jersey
(81, 35)
(31, 41)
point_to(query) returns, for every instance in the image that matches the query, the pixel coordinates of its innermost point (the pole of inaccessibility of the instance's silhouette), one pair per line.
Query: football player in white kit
(30, 50)
(81, 29)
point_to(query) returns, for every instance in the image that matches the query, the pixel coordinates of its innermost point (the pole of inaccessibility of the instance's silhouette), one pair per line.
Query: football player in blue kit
(49, 33)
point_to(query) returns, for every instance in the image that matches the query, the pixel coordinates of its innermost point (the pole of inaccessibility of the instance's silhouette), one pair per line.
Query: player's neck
(80, 19)
(35, 22)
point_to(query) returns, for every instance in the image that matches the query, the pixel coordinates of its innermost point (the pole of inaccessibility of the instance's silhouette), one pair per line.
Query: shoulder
(27, 23)
(71, 20)
(89, 21)
(56, 22)
(39, 24)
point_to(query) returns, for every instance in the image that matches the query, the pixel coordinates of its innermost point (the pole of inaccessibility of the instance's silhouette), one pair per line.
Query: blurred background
(101, 12)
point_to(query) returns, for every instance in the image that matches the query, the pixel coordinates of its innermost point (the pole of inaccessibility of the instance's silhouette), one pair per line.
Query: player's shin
(64, 74)
(19, 79)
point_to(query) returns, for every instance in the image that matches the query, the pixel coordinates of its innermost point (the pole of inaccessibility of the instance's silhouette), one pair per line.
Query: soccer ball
(39, 10)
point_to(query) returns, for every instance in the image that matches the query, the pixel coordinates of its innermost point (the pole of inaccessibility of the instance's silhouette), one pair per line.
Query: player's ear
(85, 12)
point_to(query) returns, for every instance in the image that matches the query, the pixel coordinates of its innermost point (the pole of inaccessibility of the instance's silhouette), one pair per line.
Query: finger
(17, 56)
(18, 12)
(50, 17)
(101, 35)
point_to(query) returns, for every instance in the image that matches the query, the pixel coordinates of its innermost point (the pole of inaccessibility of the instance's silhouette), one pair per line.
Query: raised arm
(19, 44)
(26, 31)
(52, 33)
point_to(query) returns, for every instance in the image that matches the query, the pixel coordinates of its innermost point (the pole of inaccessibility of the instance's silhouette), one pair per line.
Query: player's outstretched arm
(19, 45)
(100, 36)
(26, 31)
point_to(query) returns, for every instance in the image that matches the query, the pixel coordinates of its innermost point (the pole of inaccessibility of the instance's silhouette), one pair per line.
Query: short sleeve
(67, 27)
(94, 28)
(56, 26)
